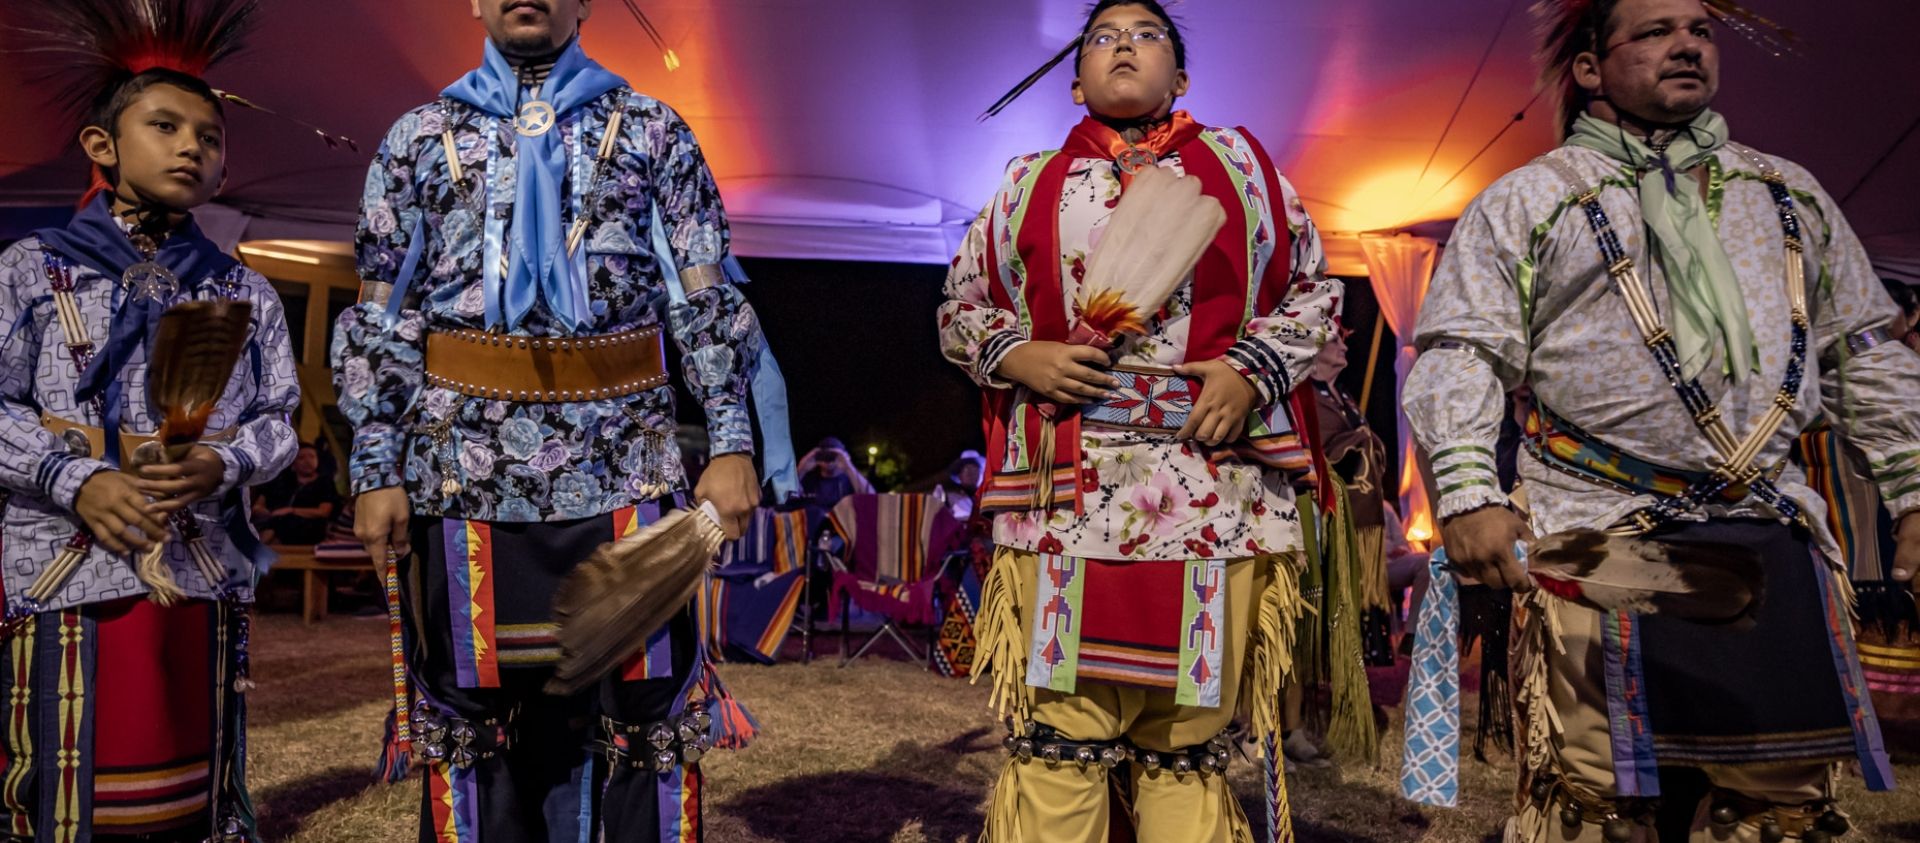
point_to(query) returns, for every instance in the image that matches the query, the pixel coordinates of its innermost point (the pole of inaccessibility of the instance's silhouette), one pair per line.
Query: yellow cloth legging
(1067, 804)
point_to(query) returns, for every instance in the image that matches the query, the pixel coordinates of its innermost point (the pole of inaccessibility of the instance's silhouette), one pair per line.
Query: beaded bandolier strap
(1736, 466)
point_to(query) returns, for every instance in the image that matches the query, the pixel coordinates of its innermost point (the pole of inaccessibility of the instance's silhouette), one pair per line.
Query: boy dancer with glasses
(1145, 584)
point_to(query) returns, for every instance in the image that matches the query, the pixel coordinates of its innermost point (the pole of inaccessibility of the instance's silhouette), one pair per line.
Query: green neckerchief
(1709, 312)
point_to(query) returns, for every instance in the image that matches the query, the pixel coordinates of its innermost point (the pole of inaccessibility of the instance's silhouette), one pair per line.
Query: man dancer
(1084, 621)
(504, 375)
(1681, 306)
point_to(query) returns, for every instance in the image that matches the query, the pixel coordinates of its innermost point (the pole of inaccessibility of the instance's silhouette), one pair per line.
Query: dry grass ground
(881, 752)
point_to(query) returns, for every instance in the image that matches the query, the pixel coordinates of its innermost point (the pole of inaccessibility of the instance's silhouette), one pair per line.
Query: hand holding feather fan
(194, 353)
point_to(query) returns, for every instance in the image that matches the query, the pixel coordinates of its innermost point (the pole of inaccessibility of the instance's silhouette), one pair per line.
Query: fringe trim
(1538, 622)
(1351, 731)
(1239, 828)
(1370, 550)
(1003, 810)
(1309, 659)
(1000, 647)
(1043, 466)
(1275, 634)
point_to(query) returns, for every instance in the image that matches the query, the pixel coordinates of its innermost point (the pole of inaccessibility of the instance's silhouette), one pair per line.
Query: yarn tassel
(733, 725)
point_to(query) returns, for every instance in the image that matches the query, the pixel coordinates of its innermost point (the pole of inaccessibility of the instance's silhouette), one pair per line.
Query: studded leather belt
(83, 440)
(546, 369)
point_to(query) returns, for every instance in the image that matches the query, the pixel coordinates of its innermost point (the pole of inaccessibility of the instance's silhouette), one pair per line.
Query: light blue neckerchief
(769, 386)
(1430, 768)
(540, 268)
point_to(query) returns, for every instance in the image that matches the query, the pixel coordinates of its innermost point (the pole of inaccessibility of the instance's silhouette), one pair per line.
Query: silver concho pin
(1135, 159)
(149, 280)
(536, 119)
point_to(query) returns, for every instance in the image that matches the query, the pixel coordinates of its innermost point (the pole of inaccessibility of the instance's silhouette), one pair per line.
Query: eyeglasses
(1107, 38)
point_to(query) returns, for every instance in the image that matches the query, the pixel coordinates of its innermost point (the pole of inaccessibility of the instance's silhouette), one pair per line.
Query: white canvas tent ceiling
(844, 129)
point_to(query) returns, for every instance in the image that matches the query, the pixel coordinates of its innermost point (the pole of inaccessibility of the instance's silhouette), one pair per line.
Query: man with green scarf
(1681, 306)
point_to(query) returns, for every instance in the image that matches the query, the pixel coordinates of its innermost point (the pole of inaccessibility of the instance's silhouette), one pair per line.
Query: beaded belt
(1148, 400)
(546, 369)
(1566, 448)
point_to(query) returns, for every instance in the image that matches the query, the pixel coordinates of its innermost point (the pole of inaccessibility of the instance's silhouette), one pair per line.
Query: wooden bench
(313, 576)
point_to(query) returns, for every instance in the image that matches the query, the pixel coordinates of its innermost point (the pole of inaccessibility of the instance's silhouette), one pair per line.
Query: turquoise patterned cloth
(1430, 769)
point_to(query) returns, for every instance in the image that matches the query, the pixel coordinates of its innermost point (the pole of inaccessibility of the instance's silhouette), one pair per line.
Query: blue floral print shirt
(463, 457)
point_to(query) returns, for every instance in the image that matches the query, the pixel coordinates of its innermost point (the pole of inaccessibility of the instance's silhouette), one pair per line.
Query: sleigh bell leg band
(1045, 744)
(660, 745)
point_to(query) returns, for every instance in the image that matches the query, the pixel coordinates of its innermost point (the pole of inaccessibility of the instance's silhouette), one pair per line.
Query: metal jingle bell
(1833, 822)
(461, 757)
(434, 750)
(1541, 789)
(702, 719)
(1724, 814)
(1085, 756)
(691, 754)
(1024, 749)
(1112, 757)
(462, 733)
(689, 732)
(1617, 830)
(1221, 759)
(1208, 764)
(664, 759)
(1771, 832)
(1182, 764)
(1570, 817)
(1150, 760)
(1010, 742)
(660, 735)
(1050, 753)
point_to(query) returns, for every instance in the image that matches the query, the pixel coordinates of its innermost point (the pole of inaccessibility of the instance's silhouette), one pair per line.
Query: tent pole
(1373, 358)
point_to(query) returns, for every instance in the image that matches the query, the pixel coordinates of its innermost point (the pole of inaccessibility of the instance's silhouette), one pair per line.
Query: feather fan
(1153, 241)
(1697, 581)
(628, 589)
(193, 357)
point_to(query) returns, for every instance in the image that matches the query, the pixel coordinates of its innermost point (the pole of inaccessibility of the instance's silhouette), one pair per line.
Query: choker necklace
(146, 228)
(1135, 157)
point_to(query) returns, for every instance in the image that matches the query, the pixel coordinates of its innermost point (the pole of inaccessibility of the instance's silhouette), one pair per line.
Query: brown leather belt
(546, 369)
(94, 439)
